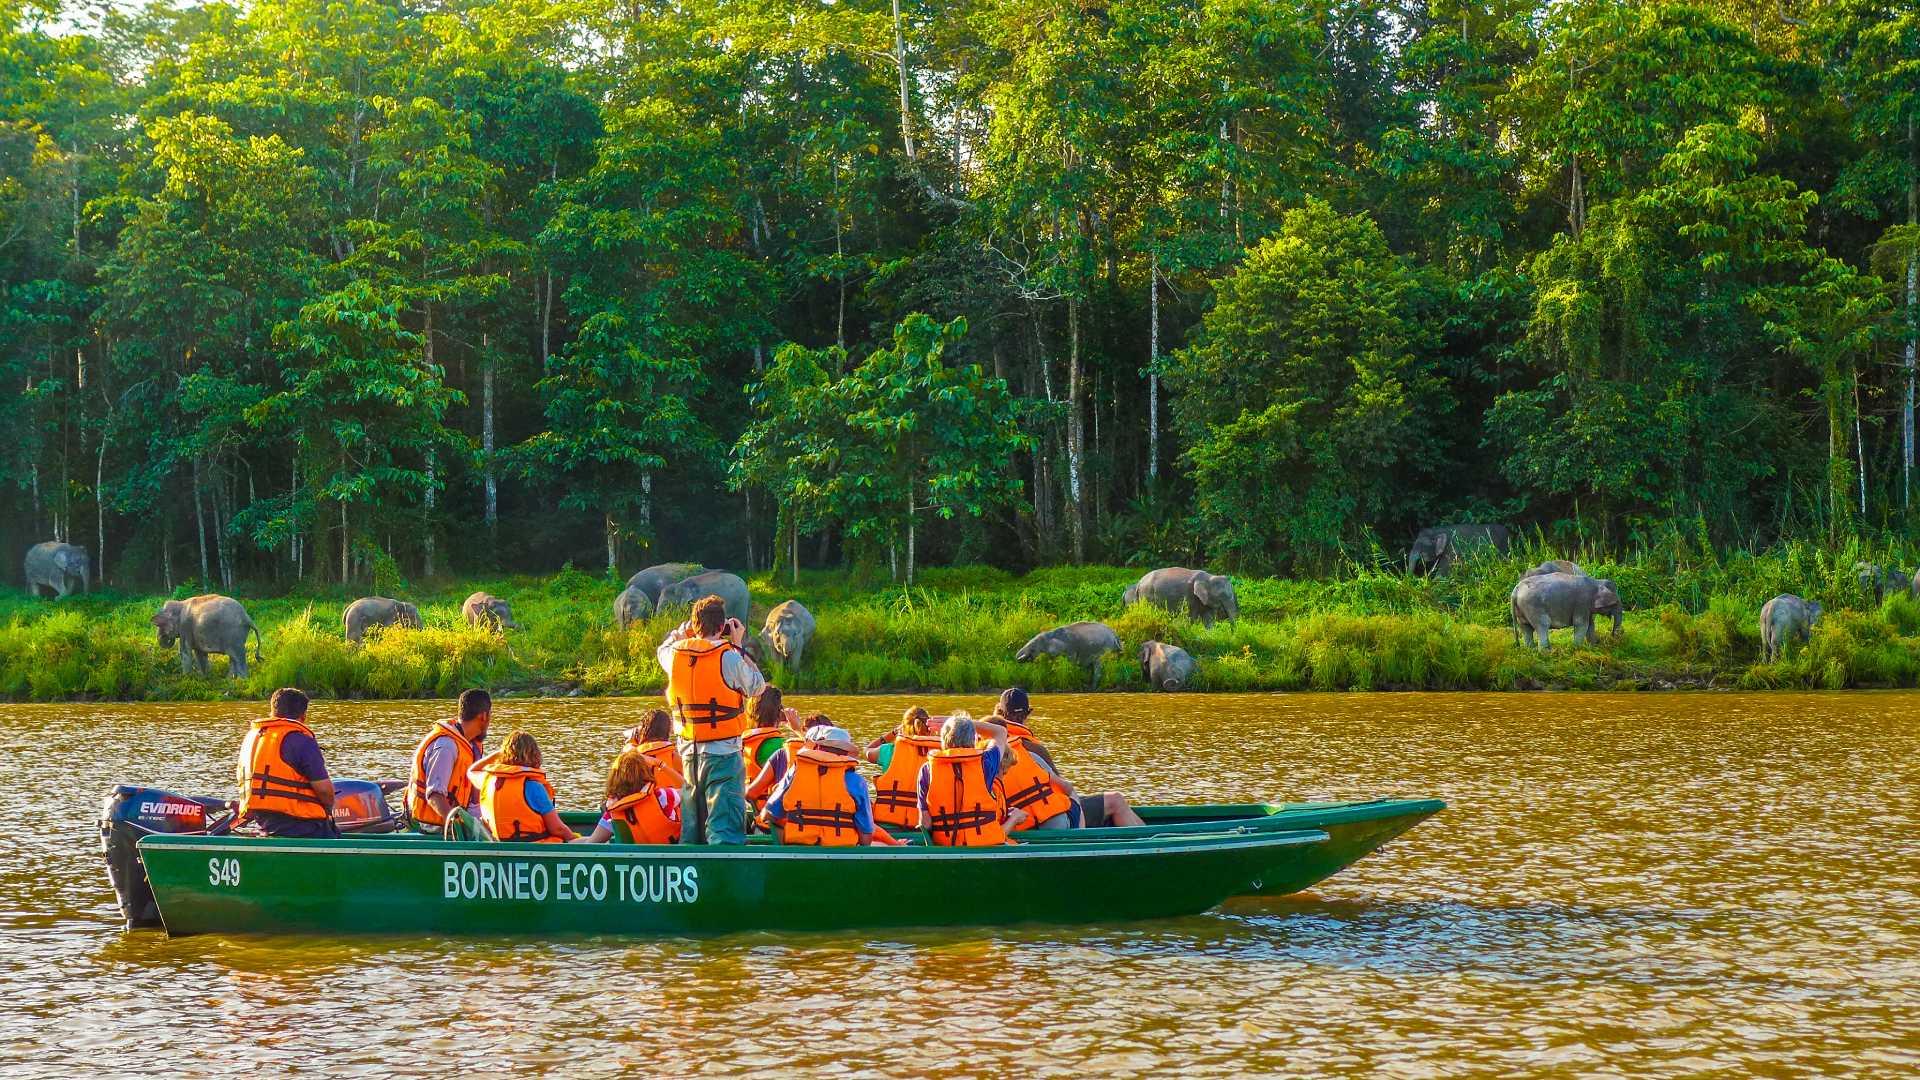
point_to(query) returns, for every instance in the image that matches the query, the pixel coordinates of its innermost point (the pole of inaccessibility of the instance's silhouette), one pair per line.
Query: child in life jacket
(639, 808)
(900, 753)
(516, 802)
(654, 738)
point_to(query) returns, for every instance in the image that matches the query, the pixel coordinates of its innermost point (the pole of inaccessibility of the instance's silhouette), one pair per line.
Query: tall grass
(1692, 621)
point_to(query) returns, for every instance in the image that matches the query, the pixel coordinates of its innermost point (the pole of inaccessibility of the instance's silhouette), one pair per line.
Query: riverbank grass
(1689, 624)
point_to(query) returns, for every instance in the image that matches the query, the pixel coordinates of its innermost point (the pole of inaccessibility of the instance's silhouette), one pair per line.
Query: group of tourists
(725, 756)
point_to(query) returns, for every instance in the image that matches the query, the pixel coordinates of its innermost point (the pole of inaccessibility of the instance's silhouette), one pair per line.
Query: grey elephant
(788, 631)
(208, 624)
(1084, 643)
(1544, 603)
(1168, 667)
(1554, 566)
(1880, 581)
(632, 606)
(486, 609)
(1205, 596)
(654, 578)
(680, 595)
(1786, 618)
(371, 611)
(1437, 547)
(57, 567)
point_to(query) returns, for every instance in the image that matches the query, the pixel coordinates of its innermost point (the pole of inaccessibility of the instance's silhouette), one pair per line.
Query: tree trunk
(200, 522)
(492, 512)
(613, 547)
(909, 534)
(1153, 371)
(746, 494)
(1076, 437)
(794, 525)
(1859, 445)
(646, 508)
(1913, 317)
(100, 504)
(906, 104)
(433, 462)
(546, 303)
(346, 567)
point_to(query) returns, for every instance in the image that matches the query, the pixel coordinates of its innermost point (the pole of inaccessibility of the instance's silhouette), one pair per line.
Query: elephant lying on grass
(370, 611)
(1547, 602)
(208, 624)
(1168, 667)
(1084, 643)
(1206, 597)
(1786, 618)
(56, 567)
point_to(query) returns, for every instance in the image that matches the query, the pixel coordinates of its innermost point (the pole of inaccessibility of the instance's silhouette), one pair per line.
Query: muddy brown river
(1700, 885)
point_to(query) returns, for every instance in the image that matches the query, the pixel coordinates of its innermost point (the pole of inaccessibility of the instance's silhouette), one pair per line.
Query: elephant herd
(1204, 597)
(784, 636)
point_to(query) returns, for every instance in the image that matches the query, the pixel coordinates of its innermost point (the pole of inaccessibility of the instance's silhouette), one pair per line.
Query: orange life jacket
(645, 820)
(666, 762)
(503, 801)
(818, 808)
(751, 742)
(267, 782)
(459, 786)
(896, 793)
(1025, 781)
(707, 708)
(963, 810)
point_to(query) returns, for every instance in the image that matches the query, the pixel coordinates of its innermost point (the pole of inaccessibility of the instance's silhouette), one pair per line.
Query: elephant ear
(1605, 598)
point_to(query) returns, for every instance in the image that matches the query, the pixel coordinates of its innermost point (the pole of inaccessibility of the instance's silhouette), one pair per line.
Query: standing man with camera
(709, 682)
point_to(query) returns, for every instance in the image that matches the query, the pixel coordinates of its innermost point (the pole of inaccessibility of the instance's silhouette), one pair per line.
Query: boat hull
(398, 885)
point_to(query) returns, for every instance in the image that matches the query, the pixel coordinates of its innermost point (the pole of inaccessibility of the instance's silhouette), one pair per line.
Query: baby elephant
(486, 609)
(58, 568)
(1786, 618)
(632, 606)
(787, 633)
(208, 624)
(1168, 667)
(1880, 581)
(1084, 643)
(370, 611)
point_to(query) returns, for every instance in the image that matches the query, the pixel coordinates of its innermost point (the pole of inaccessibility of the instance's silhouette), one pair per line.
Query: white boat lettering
(171, 809)
(223, 872)
(515, 879)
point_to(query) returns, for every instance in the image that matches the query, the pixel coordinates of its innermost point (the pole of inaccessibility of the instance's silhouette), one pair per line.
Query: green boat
(395, 884)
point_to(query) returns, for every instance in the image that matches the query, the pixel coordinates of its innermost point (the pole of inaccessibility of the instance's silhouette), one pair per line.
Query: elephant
(486, 609)
(1785, 618)
(208, 624)
(1168, 667)
(631, 606)
(1555, 566)
(1207, 597)
(787, 633)
(654, 578)
(729, 588)
(1543, 603)
(1438, 547)
(371, 611)
(1880, 581)
(1083, 642)
(56, 566)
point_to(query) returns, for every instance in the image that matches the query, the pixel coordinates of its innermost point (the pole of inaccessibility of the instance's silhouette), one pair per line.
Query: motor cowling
(131, 812)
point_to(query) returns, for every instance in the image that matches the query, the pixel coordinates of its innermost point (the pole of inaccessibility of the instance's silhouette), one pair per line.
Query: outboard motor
(130, 813)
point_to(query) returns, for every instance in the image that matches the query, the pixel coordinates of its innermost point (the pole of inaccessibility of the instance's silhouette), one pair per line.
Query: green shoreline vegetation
(1692, 622)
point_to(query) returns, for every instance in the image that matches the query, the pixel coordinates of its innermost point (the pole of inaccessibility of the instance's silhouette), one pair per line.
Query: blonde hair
(958, 731)
(917, 721)
(521, 750)
(632, 772)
